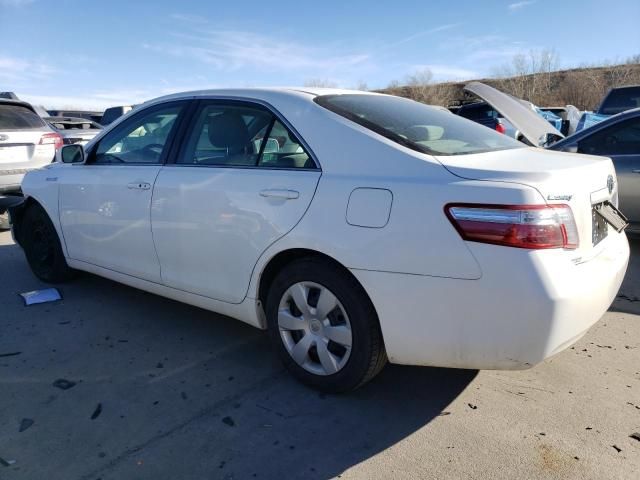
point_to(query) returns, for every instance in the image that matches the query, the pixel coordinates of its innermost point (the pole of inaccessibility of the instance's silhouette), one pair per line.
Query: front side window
(239, 135)
(140, 140)
(416, 125)
(620, 139)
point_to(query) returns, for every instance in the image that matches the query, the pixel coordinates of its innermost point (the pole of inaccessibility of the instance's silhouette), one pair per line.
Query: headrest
(228, 130)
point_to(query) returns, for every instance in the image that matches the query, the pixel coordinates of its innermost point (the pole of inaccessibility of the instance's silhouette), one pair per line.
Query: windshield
(416, 125)
(17, 117)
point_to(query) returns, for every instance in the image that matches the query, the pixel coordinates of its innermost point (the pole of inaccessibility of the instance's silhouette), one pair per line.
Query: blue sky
(100, 53)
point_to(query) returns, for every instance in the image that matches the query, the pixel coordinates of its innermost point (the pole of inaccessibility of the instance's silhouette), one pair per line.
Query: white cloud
(17, 70)
(440, 28)
(520, 5)
(447, 72)
(231, 50)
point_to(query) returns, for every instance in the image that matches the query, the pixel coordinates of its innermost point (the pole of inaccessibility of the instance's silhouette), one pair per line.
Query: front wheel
(42, 247)
(324, 326)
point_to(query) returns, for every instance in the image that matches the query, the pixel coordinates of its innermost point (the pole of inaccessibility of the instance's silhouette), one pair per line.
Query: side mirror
(72, 154)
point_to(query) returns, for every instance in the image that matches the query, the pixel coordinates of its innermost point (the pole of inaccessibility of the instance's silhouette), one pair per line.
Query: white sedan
(354, 227)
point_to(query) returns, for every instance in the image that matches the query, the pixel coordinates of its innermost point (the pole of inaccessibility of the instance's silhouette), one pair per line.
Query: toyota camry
(355, 227)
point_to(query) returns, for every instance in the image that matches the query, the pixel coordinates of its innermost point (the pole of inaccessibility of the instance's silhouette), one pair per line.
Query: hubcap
(315, 328)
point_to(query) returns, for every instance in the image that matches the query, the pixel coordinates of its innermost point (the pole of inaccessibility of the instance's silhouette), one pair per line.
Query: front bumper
(527, 306)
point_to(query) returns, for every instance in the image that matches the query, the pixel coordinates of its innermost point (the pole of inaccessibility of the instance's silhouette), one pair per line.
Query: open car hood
(520, 113)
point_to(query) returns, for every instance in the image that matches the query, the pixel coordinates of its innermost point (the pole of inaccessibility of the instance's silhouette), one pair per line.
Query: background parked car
(113, 113)
(619, 139)
(26, 142)
(88, 114)
(74, 130)
(485, 114)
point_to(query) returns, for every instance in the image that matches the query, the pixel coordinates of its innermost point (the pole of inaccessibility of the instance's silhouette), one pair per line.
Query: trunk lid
(538, 131)
(579, 181)
(18, 146)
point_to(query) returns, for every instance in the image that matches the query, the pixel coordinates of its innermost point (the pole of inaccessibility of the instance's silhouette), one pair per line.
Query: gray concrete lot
(166, 391)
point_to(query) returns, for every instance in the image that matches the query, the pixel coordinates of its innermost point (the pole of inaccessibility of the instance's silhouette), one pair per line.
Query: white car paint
(441, 300)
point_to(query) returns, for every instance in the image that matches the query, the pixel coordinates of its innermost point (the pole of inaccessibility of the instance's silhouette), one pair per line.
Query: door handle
(139, 186)
(636, 171)
(280, 193)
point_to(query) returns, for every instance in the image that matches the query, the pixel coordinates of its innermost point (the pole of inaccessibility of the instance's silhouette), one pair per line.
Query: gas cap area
(369, 207)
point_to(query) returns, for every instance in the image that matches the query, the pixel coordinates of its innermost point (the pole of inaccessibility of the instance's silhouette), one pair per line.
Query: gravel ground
(159, 390)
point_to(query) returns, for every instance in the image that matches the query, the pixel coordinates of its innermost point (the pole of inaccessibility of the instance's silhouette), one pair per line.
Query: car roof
(262, 93)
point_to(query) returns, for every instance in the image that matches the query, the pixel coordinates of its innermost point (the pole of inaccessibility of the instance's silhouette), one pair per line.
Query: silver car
(26, 143)
(74, 129)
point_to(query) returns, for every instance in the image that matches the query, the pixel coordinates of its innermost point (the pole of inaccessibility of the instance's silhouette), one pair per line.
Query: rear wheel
(324, 326)
(42, 247)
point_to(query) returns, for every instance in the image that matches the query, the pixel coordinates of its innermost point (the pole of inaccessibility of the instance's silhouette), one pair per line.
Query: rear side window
(416, 125)
(17, 117)
(620, 100)
(477, 112)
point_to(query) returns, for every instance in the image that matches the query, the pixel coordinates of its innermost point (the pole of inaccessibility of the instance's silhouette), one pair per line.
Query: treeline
(533, 77)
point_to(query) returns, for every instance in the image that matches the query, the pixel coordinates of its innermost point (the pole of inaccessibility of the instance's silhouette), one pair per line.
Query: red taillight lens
(52, 139)
(500, 128)
(521, 226)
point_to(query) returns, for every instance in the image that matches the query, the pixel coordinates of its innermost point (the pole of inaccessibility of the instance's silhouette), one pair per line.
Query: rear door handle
(139, 186)
(636, 171)
(280, 193)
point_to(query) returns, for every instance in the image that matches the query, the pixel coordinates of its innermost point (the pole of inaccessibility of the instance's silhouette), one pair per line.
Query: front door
(105, 202)
(241, 181)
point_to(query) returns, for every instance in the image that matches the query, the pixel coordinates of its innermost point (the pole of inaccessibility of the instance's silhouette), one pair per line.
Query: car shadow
(184, 392)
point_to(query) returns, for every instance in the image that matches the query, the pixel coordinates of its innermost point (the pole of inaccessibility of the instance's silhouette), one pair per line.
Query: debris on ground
(25, 423)
(635, 436)
(11, 354)
(41, 296)
(618, 449)
(6, 463)
(64, 384)
(442, 414)
(229, 421)
(96, 413)
(472, 406)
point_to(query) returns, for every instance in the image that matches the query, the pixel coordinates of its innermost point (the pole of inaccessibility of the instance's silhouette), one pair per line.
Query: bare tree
(320, 82)
(420, 84)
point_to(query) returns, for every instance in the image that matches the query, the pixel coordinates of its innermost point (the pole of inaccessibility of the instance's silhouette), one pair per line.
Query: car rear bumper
(527, 306)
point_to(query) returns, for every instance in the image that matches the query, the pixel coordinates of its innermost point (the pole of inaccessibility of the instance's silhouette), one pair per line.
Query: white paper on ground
(41, 296)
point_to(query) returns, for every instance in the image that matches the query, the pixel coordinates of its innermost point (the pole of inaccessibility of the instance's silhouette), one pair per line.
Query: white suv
(26, 143)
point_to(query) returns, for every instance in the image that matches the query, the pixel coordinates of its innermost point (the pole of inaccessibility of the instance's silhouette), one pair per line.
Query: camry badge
(565, 198)
(610, 184)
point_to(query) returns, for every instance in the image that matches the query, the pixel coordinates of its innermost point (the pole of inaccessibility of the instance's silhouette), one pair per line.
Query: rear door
(241, 181)
(620, 142)
(105, 203)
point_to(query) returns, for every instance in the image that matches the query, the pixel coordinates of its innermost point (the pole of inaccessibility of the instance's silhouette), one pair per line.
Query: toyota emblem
(610, 184)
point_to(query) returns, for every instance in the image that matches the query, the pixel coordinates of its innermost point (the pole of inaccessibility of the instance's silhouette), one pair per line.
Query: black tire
(42, 247)
(367, 356)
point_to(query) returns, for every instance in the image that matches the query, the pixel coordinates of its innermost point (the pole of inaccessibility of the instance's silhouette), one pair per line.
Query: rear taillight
(51, 139)
(500, 128)
(522, 226)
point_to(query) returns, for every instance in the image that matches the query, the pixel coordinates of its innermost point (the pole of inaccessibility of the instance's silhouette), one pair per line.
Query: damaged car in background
(617, 137)
(347, 224)
(74, 129)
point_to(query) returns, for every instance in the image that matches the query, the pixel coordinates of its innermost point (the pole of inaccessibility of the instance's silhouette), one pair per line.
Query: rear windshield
(17, 117)
(620, 100)
(416, 125)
